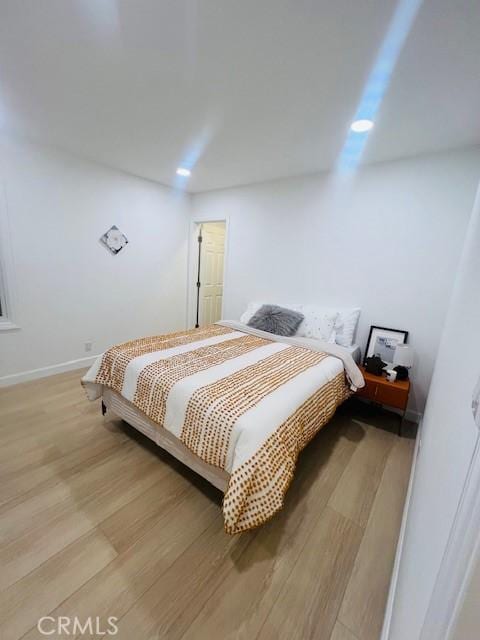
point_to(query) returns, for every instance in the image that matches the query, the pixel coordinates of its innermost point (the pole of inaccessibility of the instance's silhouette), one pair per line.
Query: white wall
(68, 288)
(388, 242)
(449, 435)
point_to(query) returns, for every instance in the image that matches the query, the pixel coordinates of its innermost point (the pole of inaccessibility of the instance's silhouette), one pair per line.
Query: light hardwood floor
(97, 521)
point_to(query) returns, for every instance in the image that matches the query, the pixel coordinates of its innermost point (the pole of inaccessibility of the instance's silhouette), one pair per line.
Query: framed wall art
(383, 341)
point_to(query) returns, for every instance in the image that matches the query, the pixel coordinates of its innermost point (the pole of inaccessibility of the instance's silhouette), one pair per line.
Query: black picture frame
(374, 330)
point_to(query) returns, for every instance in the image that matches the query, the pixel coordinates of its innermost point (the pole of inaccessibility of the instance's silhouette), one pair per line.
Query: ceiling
(246, 90)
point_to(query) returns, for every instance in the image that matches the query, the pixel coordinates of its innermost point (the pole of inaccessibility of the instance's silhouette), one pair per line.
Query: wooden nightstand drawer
(392, 396)
(379, 389)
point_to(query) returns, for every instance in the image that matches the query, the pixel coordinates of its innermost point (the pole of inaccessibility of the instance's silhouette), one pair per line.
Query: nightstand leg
(401, 424)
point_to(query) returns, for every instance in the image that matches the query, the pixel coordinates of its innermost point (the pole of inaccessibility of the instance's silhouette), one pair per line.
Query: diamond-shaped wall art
(114, 240)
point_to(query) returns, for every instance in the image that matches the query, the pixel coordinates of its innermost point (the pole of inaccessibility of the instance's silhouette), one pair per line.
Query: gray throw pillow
(278, 320)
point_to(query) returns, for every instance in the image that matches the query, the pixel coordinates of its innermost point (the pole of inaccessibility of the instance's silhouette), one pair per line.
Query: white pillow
(318, 323)
(346, 325)
(252, 308)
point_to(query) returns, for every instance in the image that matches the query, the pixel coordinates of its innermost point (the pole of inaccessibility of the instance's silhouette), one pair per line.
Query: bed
(235, 404)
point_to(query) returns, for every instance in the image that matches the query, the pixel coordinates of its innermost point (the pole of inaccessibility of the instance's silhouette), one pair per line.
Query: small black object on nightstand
(375, 365)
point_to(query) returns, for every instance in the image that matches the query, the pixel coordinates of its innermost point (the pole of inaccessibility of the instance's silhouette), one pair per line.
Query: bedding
(346, 326)
(355, 352)
(241, 399)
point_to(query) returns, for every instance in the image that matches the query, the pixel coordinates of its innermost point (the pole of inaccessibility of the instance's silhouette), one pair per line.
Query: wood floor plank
(114, 589)
(43, 524)
(39, 505)
(239, 606)
(53, 437)
(365, 598)
(308, 604)
(128, 524)
(168, 608)
(42, 392)
(27, 470)
(354, 494)
(44, 429)
(342, 633)
(23, 603)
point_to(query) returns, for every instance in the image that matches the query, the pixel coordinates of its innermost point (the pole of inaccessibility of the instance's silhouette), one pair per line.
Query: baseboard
(414, 416)
(33, 374)
(401, 539)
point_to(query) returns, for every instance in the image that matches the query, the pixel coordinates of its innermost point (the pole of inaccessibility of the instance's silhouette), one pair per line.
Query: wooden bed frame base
(125, 410)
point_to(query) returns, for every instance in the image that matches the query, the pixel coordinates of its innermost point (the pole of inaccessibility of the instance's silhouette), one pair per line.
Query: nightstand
(391, 394)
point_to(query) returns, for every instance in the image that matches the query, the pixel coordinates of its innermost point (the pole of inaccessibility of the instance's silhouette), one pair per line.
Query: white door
(211, 272)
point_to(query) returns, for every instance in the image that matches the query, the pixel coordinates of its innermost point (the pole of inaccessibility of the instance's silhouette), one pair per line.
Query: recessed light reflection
(361, 126)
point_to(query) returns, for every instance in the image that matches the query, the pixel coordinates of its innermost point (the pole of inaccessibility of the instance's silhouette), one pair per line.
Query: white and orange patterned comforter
(241, 400)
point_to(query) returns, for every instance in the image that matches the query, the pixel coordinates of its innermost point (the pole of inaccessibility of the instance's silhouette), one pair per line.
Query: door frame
(8, 288)
(192, 264)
